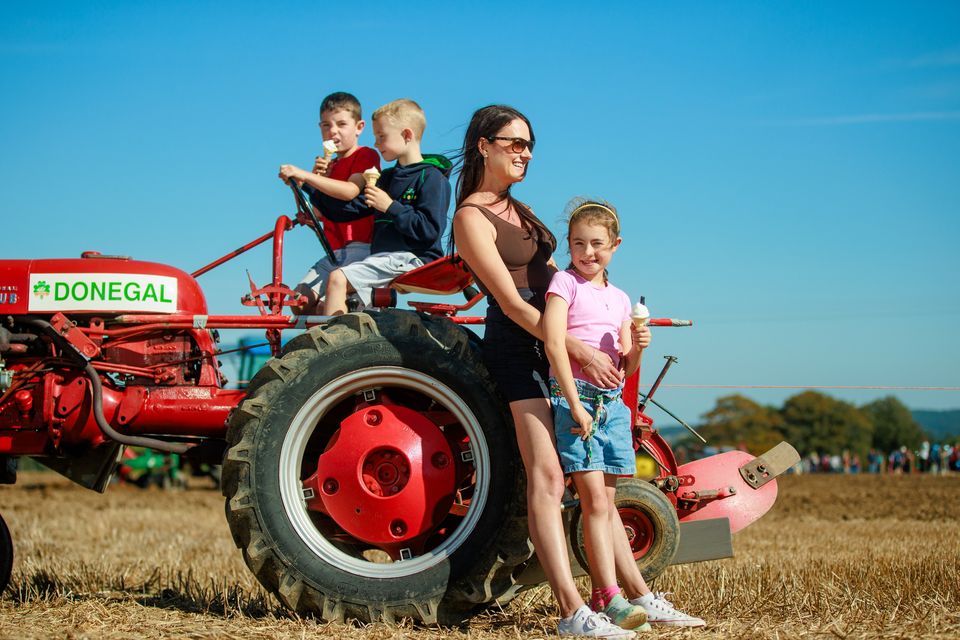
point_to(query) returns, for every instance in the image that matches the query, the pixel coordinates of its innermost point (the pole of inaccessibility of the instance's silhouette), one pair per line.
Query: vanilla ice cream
(371, 175)
(640, 314)
(329, 148)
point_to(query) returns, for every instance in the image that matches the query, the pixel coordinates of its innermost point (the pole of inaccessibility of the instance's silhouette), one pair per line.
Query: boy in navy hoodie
(409, 204)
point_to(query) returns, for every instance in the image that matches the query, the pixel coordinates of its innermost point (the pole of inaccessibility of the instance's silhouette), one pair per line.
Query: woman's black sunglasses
(517, 144)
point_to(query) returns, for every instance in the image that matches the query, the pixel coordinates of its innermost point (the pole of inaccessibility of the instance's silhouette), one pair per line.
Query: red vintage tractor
(370, 470)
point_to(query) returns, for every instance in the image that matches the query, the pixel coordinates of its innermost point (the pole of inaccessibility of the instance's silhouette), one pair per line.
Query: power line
(813, 386)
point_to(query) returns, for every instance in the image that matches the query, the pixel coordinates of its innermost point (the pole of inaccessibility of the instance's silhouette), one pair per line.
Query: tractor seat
(444, 276)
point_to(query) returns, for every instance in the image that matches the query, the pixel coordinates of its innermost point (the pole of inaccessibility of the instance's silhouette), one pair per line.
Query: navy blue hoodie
(416, 219)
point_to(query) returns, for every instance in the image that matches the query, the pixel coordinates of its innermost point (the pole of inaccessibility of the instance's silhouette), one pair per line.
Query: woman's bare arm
(476, 243)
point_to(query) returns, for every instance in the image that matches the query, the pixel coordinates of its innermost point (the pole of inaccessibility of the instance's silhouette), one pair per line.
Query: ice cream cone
(370, 176)
(329, 148)
(640, 314)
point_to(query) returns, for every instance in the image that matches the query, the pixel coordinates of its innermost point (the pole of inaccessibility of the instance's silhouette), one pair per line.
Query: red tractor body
(95, 284)
(165, 381)
(366, 434)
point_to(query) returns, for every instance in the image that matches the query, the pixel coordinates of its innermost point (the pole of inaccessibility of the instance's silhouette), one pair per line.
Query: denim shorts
(609, 447)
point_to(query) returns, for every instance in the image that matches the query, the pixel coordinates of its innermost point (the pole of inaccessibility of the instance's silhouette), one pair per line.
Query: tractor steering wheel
(303, 207)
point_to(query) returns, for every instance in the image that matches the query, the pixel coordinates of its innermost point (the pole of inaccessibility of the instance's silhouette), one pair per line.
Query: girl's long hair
(486, 123)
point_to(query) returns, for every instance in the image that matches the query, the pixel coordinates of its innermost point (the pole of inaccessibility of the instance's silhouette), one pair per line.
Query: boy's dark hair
(342, 100)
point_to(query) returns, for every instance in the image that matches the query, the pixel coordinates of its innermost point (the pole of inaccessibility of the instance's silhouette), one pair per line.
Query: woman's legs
(534, 426)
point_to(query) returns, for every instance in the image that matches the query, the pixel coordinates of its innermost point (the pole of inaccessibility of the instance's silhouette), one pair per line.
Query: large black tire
(293, 412)
(651, 523)
(6, 555)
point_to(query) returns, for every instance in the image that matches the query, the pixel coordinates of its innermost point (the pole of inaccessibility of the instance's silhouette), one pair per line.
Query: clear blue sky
(788, 173)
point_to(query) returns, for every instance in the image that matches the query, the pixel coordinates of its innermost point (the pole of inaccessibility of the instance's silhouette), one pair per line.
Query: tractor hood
(96, 284)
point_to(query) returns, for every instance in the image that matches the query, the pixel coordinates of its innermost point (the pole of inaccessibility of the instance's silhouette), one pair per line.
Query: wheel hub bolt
(330, 486)
(440, 460)
(374, 418)
(398, 528)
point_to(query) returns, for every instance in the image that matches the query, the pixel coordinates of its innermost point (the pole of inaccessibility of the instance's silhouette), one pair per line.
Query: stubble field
(839, 557)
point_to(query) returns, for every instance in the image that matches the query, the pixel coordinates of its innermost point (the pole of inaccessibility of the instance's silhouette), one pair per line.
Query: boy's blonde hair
(404, 113)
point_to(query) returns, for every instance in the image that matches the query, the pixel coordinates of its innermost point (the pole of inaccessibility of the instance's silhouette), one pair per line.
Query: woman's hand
(601, 372)
(583, 419)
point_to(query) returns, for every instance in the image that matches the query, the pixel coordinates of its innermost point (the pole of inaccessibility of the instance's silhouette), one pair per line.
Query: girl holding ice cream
(591, 423)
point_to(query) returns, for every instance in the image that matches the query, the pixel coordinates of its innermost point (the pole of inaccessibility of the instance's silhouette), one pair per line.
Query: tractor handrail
(236, 252)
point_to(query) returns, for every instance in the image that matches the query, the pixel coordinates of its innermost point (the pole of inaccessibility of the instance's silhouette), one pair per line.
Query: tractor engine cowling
(95, 284)
(59, 323)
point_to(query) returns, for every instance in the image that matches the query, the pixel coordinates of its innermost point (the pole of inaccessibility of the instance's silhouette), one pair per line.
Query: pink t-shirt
(595, 315)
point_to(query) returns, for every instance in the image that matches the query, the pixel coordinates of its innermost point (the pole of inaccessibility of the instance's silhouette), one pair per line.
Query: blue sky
(788, 173)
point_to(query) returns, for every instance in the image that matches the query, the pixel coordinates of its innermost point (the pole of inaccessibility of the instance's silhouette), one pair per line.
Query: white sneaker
(587, 623)
(661, 611)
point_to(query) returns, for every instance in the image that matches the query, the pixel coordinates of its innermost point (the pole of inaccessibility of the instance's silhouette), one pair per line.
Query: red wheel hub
(387, 478)
(639, 529)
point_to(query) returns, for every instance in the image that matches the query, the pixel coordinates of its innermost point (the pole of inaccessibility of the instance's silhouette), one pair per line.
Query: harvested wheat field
(845, 557)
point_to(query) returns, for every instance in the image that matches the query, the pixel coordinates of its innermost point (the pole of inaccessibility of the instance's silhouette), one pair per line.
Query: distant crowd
(936, 458)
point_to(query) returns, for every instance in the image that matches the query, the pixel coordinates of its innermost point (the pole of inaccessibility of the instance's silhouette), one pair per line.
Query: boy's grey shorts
(318, 275)
(377, 270)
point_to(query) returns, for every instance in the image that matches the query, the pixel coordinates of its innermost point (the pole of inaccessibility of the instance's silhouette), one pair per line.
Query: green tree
(739, 421)
(818, 422)
(893, 424)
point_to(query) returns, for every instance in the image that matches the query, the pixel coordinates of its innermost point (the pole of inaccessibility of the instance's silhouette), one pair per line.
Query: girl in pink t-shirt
(592, 425)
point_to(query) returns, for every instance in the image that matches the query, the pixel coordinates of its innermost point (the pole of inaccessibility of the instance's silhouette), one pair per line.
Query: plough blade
(745, 503)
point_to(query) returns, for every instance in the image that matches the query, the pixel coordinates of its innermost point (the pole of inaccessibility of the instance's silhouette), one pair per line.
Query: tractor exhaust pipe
(134, 441)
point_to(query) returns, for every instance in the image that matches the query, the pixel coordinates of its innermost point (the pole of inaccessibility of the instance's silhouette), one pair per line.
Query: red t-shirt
(340, 233)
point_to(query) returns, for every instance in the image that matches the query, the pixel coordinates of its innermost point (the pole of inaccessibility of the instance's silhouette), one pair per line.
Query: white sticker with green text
(102, 292)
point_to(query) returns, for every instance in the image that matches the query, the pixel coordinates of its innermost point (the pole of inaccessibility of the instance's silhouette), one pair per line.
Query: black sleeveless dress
(516, 359)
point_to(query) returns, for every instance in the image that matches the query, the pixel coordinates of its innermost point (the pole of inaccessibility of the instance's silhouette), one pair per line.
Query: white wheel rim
(301, 428)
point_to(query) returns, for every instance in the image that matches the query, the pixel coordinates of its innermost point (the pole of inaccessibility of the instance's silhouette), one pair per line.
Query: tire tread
(494, 571)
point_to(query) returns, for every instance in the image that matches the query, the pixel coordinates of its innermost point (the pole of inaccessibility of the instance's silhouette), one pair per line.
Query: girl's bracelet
(592, 358)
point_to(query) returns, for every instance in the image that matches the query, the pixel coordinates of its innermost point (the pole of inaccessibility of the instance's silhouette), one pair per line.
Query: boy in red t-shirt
(349, 237)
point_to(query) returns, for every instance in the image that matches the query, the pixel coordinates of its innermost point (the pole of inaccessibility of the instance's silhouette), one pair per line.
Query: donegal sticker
(102, 292)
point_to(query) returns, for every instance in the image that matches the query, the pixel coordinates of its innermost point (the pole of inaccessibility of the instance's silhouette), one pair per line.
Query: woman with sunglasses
(508, 251)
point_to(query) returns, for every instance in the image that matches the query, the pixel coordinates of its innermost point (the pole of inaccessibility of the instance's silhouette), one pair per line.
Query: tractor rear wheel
(372, 473)
(651, 524)
(6, 555)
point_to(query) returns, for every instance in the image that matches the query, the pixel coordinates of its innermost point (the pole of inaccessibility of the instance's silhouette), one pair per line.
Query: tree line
(812, 422)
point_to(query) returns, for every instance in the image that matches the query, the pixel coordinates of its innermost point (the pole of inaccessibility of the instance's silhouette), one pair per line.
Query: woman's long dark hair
(486, 123)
